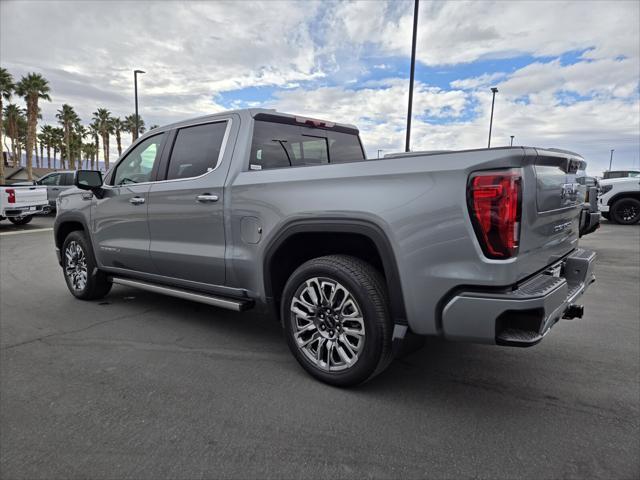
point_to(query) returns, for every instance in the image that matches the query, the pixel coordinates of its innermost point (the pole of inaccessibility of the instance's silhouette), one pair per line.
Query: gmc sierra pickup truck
(260, 209)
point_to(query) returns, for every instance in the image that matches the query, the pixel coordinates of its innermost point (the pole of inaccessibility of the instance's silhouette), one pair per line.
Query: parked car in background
(619, 199)
(20, 204)
(55, 183)
(620, 174)
(256, 208)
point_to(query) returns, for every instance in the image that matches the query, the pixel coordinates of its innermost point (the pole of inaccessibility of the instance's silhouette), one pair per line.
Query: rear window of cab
(278, 145)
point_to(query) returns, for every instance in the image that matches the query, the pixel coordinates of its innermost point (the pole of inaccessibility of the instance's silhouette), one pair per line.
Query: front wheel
(336, 319)
(626, 211)
(21, 220)
(83, 278)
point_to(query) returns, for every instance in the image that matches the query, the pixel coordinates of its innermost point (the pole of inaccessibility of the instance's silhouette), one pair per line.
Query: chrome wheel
(75, 267)
(328, 324)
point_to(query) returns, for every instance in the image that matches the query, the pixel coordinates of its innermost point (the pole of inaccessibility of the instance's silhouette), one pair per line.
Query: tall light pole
(512, 137)
(135, 89)
(611, 158)
(412, 74)
(493, 101)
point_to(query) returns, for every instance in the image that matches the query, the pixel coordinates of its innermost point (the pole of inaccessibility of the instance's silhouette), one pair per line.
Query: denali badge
(561, 226)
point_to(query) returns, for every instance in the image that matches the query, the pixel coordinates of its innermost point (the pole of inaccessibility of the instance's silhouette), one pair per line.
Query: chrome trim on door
(223, 148)
(207, 198)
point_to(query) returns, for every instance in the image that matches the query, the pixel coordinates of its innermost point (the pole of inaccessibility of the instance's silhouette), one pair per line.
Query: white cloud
(462, 31)
(316, 57)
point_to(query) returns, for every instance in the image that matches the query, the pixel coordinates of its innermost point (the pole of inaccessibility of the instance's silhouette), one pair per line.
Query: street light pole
(493, 101)
(512, 136)
(611, 158)
(135, 89)
(412, 74)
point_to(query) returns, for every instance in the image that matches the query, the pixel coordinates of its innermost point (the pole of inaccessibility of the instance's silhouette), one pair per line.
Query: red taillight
(12, 195)
(495, 199)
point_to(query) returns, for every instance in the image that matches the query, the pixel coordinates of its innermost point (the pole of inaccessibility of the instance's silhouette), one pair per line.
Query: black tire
(366, 286)
(97, 284)
(625, 211)
(21, 220)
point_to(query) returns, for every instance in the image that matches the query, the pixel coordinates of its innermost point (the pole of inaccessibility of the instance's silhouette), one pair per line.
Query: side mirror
(88, 179)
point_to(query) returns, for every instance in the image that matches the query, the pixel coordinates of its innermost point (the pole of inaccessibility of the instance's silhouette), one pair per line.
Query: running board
(216, 301)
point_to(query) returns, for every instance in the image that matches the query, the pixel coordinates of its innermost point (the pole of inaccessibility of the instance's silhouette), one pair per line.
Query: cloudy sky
(567, 72)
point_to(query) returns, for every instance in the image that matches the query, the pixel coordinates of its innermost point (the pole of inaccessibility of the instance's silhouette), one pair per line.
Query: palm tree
(12, 115)
(102, 117)
(57, 140)
(23, 128)
(90, 151)
(6, 89)
(118, 126)
(67, 117)
(41, 141)
(32, 88)
(77, 134)
(47, 141)
(130, 125)
(94, 131)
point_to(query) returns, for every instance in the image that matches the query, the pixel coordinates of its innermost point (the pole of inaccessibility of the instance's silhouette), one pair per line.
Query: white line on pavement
(18, 232)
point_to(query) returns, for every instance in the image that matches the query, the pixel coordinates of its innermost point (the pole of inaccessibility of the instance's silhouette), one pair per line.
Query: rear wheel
(336, 319)
(21, 220)
(83, 278)
(626, 211)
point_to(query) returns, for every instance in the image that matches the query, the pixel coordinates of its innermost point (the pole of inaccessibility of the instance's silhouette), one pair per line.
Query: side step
(216, 301)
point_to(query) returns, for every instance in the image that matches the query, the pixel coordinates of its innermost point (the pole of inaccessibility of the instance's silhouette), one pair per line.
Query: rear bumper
(25, 211)
(524, 314)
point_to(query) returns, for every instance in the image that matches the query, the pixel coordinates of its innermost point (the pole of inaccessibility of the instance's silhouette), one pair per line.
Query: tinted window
(277, 145)
(138, 165)
(344, 148)
(196, 150)
(66, 179)
(50, 179)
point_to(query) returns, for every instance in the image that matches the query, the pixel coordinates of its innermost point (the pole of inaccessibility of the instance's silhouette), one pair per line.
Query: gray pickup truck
(260, 209)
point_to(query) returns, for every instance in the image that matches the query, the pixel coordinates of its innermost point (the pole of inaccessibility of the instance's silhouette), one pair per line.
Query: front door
(186, 214)
(119, 218)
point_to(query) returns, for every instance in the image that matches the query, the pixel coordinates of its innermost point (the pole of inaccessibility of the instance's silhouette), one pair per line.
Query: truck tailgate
(552, 202)
(30, 196)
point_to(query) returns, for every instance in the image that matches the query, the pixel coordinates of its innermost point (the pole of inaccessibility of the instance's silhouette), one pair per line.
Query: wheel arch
(361, 238)
(66, 226)
(622, 195)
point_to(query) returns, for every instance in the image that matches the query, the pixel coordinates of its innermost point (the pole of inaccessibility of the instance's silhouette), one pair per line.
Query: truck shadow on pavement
(440, 370)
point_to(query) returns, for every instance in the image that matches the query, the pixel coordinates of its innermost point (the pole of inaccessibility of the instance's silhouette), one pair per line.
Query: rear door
(186, 212)
(119, 218)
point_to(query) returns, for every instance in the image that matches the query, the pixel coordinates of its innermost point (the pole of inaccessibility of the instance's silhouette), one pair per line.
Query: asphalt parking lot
(144, 386)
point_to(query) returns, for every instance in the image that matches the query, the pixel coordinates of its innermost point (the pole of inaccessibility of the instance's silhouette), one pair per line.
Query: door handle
(207, 198)
(136, 200)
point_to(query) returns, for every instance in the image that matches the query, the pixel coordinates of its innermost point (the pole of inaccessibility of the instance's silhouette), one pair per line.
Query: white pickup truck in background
(20, 204)
(619, 199)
